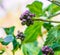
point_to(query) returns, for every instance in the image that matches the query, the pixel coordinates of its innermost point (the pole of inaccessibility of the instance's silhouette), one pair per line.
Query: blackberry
(47, 50)
(20, 36)
(26, 18)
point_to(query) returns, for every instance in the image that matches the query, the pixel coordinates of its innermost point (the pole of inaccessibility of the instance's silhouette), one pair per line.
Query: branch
(40, 19)
(53, 15)
(55, 2)
(46, 20)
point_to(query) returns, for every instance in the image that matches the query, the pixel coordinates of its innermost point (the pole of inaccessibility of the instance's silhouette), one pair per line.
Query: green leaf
(55, 46)
(53, 9)
(15, 44)
(9, 30)
(36, 8)
(1, 52)
(57, 2)
(8, 39)
(25, 51)
(1, 40)
(40, 53)
(57, 53)
(32, 32)
(53, 36)
(48, 26)
(30, 49)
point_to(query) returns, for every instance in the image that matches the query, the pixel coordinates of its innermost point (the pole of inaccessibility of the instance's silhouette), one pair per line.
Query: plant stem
(55, 2)
(46, 20)
(13, 52)
(53, 15)
(40, 19)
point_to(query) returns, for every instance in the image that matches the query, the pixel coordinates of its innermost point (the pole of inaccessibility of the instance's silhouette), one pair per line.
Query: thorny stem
(40, 19)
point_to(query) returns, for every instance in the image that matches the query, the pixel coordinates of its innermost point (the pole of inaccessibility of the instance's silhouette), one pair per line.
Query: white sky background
(12, 4)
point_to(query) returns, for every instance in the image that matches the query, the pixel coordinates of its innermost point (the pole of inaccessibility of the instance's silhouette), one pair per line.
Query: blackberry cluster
(47, 50)
(20, 36)
(26, 18)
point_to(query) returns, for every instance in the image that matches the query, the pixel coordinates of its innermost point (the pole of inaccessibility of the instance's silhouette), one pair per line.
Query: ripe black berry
(20, 36)
(26, 18)
(47, 50)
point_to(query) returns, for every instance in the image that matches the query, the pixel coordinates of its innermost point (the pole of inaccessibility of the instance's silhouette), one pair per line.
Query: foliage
(34, 8)
(29, 45)
(32, 32)
(30, 49)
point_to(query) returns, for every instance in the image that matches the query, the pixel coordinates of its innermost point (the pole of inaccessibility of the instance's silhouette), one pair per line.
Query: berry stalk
(46, 20)
(40, 19)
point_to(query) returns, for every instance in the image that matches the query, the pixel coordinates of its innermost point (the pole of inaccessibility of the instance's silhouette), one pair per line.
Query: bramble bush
(28, 39)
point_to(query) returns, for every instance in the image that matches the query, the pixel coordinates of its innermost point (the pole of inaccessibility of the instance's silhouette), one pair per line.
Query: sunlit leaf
(1, 39)
(53, 9)
(36, 8)
(57, 53)
(32, 32)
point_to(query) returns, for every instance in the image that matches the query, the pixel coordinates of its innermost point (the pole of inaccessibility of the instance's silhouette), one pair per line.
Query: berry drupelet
(26, 18)
(47, 50)
(20, 36)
